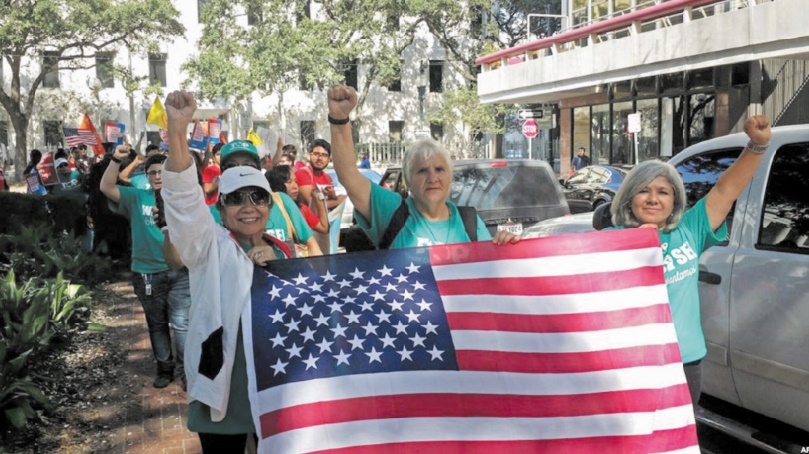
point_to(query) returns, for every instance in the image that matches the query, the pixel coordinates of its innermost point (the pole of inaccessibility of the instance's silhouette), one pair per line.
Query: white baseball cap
(239, 177)
(60, 161)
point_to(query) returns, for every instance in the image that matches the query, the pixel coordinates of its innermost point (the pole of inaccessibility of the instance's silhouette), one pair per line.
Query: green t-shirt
(277, 224)
(238, 418)
(147, 239)
(417, 231)
(681, 251)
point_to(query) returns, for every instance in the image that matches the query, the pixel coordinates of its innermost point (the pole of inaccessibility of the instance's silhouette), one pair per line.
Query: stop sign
(530, 128)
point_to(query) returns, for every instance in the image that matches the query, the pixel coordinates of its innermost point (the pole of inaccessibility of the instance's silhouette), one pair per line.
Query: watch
(756, 148)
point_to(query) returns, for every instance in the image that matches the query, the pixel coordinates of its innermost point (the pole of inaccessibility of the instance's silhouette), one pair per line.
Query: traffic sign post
(633, 126)
(525, 114)
(530, 129)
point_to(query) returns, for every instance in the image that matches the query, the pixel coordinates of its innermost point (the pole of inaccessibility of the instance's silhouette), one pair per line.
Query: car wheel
(598, 203)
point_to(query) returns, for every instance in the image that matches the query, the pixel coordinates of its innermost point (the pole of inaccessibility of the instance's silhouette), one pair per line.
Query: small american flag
(552, 345)
(75, 137)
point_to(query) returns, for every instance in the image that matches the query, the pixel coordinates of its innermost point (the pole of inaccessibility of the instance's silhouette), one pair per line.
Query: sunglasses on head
(256, 196)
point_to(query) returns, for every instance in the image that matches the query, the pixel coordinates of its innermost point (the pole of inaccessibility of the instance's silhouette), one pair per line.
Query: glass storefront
(676, 111)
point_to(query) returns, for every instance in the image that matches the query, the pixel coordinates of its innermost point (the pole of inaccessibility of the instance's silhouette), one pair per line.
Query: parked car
(508, 194)
(754, 288)
(348, 212)
(592, 186)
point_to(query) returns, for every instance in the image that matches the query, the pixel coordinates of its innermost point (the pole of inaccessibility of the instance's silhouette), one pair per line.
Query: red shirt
(310, 217)
(306, 175)
(211, 174)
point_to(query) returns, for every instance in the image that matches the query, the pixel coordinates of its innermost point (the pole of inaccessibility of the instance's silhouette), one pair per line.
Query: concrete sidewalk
(155, 418)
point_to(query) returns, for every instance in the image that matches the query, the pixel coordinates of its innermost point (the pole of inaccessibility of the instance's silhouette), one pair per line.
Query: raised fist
(180, 108)
(758, 129)
(342, 100)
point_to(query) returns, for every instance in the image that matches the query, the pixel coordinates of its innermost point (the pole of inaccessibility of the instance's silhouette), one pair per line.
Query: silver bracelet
(756, 148)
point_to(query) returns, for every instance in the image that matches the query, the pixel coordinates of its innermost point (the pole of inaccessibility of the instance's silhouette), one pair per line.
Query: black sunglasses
(256, 196)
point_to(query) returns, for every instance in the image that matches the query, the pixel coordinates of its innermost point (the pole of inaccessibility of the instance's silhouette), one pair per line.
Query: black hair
(278, 177)
(290, 149)
(60, 153)
(33, 159)
(320, 143)
(151, 147)
(217, 147)
(154, 159)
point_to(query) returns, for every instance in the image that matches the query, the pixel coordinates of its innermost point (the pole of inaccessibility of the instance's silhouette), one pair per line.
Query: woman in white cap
(220, 259)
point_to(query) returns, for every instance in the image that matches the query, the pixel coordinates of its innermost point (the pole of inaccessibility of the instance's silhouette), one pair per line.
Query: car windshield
(503, 187)
(369, 174)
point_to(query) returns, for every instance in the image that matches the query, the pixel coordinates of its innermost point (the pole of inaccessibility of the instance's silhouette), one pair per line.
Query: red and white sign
(530, 128)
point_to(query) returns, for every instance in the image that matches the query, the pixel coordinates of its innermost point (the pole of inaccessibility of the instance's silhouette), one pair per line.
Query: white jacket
(220, 275)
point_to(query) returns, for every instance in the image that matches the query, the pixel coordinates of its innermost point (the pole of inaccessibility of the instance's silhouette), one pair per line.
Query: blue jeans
(166, 299)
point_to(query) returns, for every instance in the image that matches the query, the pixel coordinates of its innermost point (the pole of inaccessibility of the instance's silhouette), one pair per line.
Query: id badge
(147, 281)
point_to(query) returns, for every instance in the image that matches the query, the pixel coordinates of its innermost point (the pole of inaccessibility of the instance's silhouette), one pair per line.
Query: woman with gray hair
(652, 196)
(431, 219)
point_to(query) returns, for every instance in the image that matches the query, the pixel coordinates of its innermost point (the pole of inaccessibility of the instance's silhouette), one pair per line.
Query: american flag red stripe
(561, 345)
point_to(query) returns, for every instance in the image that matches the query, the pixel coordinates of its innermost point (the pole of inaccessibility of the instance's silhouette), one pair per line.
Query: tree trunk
(20, 123)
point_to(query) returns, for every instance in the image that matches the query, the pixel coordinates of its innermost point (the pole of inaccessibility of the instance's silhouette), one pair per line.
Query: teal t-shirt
(277, 224)
(681, 251)
(417, 230)
(140, 181)
(147, 239)
(69, 183)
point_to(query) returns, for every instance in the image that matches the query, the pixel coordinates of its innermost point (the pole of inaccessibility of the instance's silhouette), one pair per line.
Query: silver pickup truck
(754, 288)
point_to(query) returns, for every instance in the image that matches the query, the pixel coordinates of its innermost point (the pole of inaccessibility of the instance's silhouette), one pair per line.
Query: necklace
(430, 230)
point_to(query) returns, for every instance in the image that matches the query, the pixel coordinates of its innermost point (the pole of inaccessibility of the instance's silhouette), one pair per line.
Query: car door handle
(709, 277)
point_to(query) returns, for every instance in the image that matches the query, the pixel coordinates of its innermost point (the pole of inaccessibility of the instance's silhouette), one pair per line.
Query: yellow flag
(253, 137)
(157, 115)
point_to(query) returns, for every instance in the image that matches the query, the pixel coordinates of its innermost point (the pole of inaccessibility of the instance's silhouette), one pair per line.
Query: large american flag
(560, 344)
(75, 137)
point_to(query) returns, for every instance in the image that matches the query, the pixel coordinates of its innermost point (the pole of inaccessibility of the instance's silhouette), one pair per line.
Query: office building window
(396, 85)
(53, 133)
(157, 69)
(4, 137)
(437, 131)
(104, 69)
(254, 14)
(52, 77)
(396, 128)
(307, 135)
(436, 76)
(200, 7)
(350, 73)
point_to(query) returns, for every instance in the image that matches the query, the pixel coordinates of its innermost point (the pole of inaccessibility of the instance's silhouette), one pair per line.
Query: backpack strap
(395, 225)
(469, 216)
(277, 200)
(282, 245)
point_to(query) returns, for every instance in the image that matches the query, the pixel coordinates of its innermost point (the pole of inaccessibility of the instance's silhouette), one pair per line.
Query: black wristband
(114, 159)
(336, 121)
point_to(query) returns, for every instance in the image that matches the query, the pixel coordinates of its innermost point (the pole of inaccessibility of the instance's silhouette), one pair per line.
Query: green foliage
(462, 106)
(33, 315)
(36, 252)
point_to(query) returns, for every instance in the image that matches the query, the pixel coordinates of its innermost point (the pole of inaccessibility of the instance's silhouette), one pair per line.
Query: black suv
(508, 194)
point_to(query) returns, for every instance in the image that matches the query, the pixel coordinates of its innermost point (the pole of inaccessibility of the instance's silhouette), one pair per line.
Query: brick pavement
(155, 419)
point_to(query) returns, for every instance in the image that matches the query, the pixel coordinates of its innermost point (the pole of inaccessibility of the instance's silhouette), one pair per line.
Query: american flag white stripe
(635, 336)
(577, 303)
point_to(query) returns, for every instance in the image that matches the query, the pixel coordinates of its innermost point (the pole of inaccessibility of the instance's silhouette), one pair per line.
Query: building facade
(691, 69)
(391, 114)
